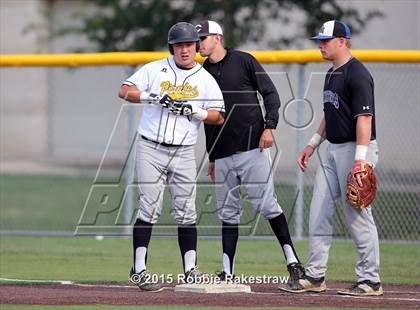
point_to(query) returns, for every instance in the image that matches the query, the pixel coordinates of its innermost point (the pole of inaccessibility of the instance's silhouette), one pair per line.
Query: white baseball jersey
(164, 76)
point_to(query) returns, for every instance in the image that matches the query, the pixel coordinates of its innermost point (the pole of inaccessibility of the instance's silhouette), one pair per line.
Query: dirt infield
(396, 296)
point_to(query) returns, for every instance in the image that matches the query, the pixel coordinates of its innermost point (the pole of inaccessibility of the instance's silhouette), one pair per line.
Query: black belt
(161, 143)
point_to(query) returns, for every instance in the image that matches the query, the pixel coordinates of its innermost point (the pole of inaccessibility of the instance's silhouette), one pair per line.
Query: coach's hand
(304, 157)
(210, 171)
(267, 139)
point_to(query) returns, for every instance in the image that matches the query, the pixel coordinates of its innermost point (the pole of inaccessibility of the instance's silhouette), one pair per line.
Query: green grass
(87, 260)
(41, 202)
(51, 203)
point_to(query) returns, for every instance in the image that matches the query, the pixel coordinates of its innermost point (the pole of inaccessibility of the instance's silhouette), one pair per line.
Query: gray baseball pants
(157, 166)
(253, 170)
(331, 186)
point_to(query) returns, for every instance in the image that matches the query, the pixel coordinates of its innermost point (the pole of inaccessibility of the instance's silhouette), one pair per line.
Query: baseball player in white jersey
(182, 94)
(349, 127)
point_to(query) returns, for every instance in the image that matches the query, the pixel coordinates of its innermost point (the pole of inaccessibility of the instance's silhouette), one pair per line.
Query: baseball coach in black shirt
(239, 151)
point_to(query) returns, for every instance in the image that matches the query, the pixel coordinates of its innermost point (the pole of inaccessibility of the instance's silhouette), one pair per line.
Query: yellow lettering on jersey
(178, 92)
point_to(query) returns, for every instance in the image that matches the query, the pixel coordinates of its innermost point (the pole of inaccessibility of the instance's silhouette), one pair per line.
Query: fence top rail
(136, 58)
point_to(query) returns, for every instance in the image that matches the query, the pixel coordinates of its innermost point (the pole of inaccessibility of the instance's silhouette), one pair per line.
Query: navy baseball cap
(333, 29)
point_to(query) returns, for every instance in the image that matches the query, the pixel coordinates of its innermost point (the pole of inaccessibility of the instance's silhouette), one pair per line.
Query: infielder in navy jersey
(349, 127)
(180, 95)
(239, 154)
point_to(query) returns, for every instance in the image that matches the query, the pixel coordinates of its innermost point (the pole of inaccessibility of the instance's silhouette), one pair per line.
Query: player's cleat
(364, 288)
(224, 277)
(144, 281)
(296, 272)
(306, 284)
(195, 276)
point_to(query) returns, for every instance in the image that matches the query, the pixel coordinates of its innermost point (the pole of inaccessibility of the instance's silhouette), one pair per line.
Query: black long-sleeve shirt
(240, 77)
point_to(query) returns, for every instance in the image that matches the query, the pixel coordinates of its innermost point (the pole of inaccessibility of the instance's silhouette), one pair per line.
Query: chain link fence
(73, 117)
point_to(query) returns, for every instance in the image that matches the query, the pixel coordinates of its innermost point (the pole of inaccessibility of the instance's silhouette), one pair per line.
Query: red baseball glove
(361, 185)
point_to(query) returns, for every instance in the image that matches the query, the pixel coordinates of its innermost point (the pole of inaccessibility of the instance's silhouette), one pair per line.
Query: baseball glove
(360, 197)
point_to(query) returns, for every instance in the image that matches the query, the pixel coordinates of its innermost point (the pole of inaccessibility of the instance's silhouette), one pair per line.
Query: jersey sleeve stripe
(216, 108)
(367, 113)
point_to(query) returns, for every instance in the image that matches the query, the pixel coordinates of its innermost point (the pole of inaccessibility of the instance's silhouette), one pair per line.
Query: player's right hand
(304, 157)
(150, 98)
(210, 172)
(166, 101)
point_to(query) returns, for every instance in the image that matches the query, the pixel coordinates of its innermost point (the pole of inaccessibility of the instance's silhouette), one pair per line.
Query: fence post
(129, 175)
(300, 118)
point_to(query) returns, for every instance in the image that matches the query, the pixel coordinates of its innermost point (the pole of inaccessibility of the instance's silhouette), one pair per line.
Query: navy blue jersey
(348, 93)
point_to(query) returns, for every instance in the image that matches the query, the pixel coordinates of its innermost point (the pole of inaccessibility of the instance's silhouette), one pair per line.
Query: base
(213, 288)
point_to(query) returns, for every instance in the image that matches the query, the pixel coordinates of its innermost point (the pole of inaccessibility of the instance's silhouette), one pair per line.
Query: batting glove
(151, 98)
(166, 101)
(186, 109)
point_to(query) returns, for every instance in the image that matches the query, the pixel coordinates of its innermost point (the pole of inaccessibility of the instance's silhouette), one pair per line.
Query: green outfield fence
(65, 138)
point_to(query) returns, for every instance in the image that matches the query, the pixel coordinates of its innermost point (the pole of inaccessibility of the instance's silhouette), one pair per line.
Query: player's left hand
(267, 139)
(361, 185)
(358, 170)
(181, 108)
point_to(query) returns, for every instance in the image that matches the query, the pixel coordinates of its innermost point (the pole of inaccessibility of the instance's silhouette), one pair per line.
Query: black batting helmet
(182, 32)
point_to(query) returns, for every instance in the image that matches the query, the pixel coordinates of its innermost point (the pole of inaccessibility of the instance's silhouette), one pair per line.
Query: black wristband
(270, 124)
